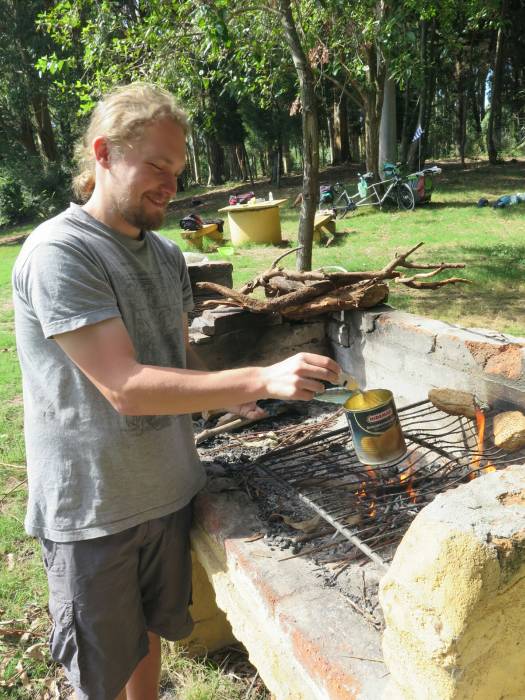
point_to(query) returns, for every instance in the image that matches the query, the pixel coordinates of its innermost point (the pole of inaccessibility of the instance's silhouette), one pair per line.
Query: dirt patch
(15, 401)
(13, 240)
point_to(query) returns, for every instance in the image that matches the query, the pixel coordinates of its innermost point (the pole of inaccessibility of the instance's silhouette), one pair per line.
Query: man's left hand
(248, 410)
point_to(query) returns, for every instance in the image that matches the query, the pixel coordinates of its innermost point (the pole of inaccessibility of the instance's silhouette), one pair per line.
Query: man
(100, 307)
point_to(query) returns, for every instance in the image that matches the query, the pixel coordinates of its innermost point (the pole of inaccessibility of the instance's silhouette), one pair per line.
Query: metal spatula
(348, 386)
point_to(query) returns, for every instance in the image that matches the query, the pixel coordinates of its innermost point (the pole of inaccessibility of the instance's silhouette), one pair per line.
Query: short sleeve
(65, 288)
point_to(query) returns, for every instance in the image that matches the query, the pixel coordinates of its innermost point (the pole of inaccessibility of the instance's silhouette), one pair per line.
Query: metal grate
(373, 506)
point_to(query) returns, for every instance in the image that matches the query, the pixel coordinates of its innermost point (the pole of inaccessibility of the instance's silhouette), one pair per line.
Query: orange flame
(408, 477)
(475, 467)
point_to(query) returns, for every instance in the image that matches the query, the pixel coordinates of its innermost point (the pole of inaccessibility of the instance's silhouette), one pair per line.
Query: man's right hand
(299, 377)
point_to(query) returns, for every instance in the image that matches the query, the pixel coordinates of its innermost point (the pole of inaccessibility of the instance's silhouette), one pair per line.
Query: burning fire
(475, 467)
(362, 494)
(408, 477)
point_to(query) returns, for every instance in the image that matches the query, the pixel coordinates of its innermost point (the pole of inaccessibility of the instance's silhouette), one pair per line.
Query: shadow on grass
(496, 272)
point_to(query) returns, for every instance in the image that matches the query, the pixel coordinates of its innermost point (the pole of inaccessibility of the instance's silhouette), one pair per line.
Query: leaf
(307, 526)
(38, 651)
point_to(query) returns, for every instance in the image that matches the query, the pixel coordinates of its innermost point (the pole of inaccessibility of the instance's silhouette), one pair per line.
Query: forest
(272, 87)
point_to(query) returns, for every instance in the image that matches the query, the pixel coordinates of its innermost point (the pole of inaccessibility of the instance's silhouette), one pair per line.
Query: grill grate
(373, 506)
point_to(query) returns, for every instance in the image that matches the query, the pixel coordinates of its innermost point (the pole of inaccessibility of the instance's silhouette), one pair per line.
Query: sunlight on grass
(489, 241)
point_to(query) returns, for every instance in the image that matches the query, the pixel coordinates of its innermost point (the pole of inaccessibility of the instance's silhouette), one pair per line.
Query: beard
(137, 215)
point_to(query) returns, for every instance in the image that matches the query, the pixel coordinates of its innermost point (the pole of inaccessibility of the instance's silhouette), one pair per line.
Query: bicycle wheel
(405, 197)
(341, 210)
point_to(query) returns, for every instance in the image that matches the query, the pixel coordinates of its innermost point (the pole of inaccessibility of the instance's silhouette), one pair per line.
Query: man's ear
(102, 151)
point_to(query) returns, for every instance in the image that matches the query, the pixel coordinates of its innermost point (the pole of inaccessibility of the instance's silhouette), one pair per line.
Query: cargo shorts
(106, 593)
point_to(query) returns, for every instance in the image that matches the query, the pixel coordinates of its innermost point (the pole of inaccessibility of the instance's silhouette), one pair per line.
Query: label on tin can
(375, 427)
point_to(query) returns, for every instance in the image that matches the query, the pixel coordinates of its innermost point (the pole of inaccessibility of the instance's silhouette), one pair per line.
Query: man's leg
(144, 681)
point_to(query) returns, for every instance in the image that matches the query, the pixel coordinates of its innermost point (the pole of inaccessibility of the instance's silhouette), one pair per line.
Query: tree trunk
(473, 104)
(44, 127)
(372, 98)
(334, 156)
(26, 135)
(287, 157)
(354, 134)
(494, 123)
(194, 159)
(343, 129)
(215, 160)
(405, 129)
(388, 126)
(310, 127)
(461, 124)
(417, 149)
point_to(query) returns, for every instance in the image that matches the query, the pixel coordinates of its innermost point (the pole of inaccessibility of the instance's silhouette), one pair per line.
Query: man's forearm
(150, 390)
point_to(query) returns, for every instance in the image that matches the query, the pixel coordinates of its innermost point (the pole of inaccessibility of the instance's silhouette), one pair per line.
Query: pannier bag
(326, 194)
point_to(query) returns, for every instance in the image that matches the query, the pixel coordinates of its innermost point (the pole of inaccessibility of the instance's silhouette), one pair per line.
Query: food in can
(375, 427)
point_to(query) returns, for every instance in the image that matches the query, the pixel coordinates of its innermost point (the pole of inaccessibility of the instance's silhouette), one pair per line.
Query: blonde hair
(121, 117)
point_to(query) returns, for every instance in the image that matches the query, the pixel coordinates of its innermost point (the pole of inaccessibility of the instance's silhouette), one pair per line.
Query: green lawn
(489, 241)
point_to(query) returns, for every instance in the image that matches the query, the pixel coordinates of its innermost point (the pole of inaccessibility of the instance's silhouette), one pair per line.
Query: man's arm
(104, 352)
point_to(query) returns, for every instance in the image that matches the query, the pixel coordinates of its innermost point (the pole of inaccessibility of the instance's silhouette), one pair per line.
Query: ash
(290, 527)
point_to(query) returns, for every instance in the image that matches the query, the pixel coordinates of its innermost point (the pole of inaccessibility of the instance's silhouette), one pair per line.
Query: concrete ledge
(410, 354)
(299, 633)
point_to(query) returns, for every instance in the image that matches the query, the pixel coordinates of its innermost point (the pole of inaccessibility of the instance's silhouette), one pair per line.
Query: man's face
(144, 176)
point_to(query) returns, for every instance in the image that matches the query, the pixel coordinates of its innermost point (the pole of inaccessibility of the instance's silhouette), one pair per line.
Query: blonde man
(100, 306)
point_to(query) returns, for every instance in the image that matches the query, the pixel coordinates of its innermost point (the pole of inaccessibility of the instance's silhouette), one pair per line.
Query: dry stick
(434, 285)
(233, 424)
(422, 275)
(13, 466)
(261, 280)
(7, 493)
(288, 303)
(313, 550)
(283, 255)
(431, 266)
(364, 658)
(363, 612)
(272, 305)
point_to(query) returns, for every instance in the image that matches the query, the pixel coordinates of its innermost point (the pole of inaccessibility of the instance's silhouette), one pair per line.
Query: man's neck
(107, 215)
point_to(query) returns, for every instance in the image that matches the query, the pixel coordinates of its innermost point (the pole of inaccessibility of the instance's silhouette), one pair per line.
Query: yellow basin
(255, 223)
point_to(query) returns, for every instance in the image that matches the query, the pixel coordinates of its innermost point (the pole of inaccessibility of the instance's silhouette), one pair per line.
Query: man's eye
(157, 167)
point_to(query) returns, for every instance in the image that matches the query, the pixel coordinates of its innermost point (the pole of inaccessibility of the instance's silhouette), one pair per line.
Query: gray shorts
(106, 593)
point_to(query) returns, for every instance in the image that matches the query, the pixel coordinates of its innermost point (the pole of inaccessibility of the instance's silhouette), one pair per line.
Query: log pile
(299, 295)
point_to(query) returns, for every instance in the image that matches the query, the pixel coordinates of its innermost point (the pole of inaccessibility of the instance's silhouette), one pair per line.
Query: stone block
(212, 271)
(454, 596)
(213, 322)
(260, 345)
(306, 643)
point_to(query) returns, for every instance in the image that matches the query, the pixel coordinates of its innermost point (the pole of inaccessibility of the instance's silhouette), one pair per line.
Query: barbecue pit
(315, 642)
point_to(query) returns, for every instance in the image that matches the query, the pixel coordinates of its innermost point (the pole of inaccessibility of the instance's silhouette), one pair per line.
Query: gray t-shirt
(92, 471)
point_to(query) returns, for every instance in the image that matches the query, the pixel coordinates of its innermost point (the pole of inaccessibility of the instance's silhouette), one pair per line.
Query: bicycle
(369, 194)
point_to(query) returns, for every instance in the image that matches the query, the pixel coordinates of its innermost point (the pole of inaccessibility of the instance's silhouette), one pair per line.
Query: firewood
(509, 430)
(363, 297)
(298, 295)
(454, 402)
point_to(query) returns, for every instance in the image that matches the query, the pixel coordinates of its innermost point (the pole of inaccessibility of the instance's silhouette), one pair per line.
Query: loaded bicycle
(393, 190)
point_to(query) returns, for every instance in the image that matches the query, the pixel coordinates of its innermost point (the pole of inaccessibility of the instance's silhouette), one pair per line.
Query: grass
(489, 241)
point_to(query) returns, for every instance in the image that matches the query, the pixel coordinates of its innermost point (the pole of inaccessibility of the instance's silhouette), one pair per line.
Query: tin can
(373, 420)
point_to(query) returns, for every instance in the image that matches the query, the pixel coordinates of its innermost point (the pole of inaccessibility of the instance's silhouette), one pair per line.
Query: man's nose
(169, 184)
